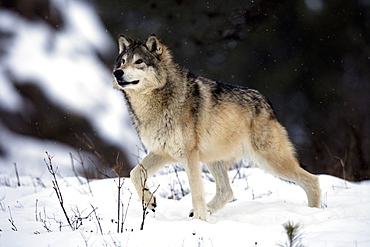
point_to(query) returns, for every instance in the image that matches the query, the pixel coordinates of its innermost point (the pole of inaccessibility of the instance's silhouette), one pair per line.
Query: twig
(103, 173)
(178, 178)
(14, 228)
(143, 204)
(17, 175)
(56, 188)
(47, 227)
(121, 213)
(37, 219)
(2, 204)
(60, 223)
(119, 191)
(90, 145)
(237, 173)
(86, 240)
(143, 185)
(125, 215)
(119, 186)
(97, 219)
(74, 169)
(78, 219)
(82, 163)
(145, 207)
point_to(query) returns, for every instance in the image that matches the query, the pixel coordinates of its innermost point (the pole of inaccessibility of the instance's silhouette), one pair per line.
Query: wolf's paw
(152, 204)
(200, 216)
(149, 200)
(191, 213)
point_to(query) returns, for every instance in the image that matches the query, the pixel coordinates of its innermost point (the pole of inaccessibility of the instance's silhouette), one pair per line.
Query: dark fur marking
(221, 91)
(117, 62)
(272, 112)
(196, 97)
(259, 102)
(217, 89)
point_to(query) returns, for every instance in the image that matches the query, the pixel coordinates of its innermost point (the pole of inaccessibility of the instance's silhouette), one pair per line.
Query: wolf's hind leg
(273, 152)
(143, 171)
(310, 184)
(224, 192)
(287, 167)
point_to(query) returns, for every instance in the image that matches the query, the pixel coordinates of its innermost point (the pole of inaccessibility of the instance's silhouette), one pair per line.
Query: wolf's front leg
(142, 172)
(194, 172)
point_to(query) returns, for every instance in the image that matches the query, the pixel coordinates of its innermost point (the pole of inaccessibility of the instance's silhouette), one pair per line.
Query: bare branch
(17, 175)
(97, 219)
(14, 228)
(56, 188)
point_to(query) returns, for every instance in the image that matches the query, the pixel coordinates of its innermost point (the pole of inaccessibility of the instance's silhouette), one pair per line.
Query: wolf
(181, 117)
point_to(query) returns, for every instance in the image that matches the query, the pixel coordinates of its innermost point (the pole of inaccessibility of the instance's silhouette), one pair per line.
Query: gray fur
(184, 118)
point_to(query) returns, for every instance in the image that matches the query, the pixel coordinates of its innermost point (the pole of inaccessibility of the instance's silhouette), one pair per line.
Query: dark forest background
(311, 58)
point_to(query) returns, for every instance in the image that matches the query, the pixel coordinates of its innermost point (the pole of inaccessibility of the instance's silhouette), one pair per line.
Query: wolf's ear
(154, 44)
(123, 42)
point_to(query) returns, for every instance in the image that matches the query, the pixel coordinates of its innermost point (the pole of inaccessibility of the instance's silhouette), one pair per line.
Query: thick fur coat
(189, 119)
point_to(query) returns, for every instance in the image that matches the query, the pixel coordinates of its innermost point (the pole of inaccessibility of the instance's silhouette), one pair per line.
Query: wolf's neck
(153, 106)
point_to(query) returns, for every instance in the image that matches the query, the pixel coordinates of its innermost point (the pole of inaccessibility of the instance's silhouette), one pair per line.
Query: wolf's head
(137, 65)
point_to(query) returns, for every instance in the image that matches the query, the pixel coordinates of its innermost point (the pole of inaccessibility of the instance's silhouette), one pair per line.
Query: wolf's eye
(123, 61)
(139, 61)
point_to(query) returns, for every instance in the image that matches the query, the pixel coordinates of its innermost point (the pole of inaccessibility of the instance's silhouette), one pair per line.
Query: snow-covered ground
(30, 214)
(262, 204)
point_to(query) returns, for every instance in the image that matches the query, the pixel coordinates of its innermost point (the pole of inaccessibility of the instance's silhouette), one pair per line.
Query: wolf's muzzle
(119, 78)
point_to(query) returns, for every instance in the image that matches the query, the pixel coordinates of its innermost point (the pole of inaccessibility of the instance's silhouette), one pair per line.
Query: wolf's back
(249, 99)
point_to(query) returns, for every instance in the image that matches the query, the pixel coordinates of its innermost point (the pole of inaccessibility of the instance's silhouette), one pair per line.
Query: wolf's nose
(118, 73)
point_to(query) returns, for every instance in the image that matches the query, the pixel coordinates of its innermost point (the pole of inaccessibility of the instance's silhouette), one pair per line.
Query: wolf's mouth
(125, 83)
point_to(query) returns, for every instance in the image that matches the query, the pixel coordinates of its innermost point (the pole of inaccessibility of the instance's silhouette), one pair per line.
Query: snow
(66, 66)
(255, 217)
(64, 63)
(28, 153)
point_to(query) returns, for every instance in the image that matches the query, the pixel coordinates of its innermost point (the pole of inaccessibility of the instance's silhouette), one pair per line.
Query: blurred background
(311, 58)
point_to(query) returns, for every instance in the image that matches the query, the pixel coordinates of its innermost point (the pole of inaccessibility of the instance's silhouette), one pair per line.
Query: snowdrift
(31, 215)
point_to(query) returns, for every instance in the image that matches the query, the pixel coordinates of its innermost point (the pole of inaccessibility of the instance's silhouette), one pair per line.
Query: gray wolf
(190, 119)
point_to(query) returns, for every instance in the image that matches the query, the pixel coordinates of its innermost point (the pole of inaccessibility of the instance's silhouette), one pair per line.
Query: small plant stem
(14, 228)
(178, 179)
(56, 188)
(37, 219)
(97, 219)
(119, 186)
(17, 175)
(125, 215)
